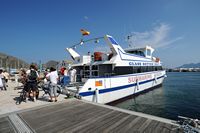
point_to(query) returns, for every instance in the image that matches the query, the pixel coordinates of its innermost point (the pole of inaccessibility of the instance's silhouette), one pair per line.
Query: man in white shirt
(53, 77)
(73, 75)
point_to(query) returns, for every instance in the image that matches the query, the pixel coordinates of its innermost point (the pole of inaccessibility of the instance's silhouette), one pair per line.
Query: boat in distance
(107, 77)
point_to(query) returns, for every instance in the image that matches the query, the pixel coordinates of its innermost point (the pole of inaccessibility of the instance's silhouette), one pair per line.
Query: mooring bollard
(137, 84)
(155, 78)
(97, 95)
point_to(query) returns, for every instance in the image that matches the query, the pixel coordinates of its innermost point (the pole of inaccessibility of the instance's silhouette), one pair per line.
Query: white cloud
(158, 37)
(86, 17)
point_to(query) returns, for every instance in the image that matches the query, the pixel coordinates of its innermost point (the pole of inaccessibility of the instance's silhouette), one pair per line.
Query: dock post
(155, 78)
(97, 95)
(137, 84)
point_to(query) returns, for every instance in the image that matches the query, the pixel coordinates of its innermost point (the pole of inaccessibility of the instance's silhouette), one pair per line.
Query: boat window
(148, 52)
(123, 70)
(135, 69)
(105, 70)
(136, 52)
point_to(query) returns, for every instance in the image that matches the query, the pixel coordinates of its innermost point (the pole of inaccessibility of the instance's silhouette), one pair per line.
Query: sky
(35, 30)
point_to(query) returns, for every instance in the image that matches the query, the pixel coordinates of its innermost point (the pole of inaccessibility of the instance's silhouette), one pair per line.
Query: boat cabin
(117, 62)
(145, 52)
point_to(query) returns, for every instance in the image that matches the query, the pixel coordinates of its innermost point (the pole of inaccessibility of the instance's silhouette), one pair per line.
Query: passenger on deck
(65, 80)
(73, 75)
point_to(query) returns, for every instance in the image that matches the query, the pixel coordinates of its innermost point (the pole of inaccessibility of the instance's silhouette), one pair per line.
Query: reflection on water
(179, 95)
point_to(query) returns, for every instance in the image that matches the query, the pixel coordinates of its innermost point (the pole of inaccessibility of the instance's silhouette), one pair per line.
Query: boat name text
(141, 64)
(139, 78)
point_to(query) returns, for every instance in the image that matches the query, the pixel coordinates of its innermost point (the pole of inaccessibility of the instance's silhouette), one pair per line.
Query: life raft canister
(98, 56)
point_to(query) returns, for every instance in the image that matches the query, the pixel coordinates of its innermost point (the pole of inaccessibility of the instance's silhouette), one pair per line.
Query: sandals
(50, 101)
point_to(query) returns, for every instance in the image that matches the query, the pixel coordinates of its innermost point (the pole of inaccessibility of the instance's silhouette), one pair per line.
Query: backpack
(33, 75)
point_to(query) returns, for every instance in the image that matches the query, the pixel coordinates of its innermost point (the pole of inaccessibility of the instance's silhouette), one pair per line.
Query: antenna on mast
(129, 40)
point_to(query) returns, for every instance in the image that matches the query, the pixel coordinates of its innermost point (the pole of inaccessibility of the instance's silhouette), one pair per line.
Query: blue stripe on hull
(89, 93)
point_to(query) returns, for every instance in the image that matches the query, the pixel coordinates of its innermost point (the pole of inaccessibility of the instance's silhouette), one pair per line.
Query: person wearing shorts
(53, 77)
(32, 83)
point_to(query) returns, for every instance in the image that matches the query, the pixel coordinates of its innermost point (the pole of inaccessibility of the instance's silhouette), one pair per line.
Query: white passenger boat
(107, 77)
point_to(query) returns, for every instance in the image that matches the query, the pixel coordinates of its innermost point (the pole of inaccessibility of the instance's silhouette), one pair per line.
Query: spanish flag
(98, 83)
(85, 32)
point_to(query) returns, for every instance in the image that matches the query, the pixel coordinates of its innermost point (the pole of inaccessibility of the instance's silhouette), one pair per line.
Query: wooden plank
(167, 128)
(74, 120)
(46, 111)
(123, 126)
(99, 123)
(19, 125)
(171, 129)
(6, 126)
(87, 122)
(116, 124)
(151, 127)
(112, 123)
(136, 126)
(145, 125)
(129, 126)
(79, 116)
(159, 127)
(52, 119)
(37, 113)
(176, 129)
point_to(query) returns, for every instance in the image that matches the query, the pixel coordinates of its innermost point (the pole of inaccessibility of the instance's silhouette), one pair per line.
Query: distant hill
(51, 63)
(12, 62)
(57, 64)
(191, 65)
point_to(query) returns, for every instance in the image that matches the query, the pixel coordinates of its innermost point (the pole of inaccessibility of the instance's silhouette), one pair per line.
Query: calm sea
(179, 95)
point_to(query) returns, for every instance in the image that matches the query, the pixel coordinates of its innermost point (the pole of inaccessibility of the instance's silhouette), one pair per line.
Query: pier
(74, 115)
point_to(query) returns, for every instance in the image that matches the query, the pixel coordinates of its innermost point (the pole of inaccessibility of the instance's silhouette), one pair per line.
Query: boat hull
(108, 89)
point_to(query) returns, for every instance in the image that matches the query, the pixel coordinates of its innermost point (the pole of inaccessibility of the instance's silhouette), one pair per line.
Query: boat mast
(130, 40)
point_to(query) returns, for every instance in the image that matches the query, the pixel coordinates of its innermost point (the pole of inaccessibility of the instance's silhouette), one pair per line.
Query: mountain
(51, 63)
(11, 62)
(191, 65)
(57, 64)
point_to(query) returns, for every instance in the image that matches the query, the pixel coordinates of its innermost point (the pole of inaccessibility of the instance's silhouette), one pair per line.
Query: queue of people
(51, 77)
(30, 79)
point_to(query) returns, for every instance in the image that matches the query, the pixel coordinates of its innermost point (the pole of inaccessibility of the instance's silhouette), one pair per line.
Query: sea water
(179, 96)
